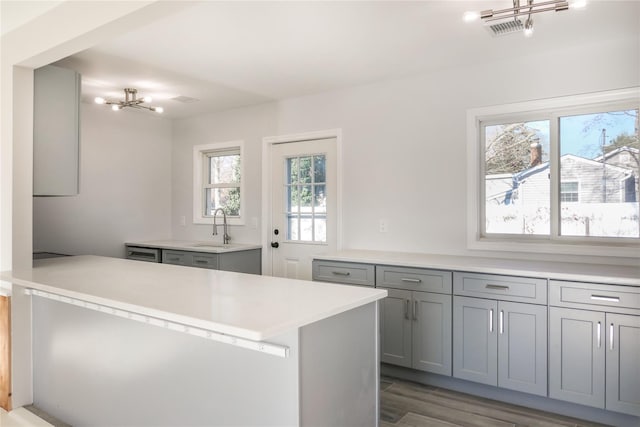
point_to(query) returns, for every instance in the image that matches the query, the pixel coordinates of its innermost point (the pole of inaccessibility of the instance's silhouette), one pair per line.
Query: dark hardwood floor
(409, 404)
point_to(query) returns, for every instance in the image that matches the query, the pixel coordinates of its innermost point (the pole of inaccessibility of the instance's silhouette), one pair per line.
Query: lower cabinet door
(431, 332)
(577, 356)
(623, 363)
(522, 347)
(395, 328)
(475, 340)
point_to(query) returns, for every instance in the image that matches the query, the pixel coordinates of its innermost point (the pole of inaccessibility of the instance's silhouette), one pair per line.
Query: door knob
(275, 245)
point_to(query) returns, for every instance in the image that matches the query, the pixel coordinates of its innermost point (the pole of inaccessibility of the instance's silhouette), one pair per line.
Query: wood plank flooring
(407, 404)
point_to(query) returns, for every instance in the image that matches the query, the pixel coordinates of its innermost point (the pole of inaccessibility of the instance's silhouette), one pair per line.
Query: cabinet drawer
(592, 295)
(176, 257)
(508, 288)
(344, 272)
(414, 279)
(143, 254)
(205, 260)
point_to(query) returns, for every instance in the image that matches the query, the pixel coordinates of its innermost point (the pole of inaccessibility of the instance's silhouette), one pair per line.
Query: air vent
(185, 99)
(505, 27)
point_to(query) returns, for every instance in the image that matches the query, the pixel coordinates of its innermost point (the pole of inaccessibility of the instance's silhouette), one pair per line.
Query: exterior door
(303, 205)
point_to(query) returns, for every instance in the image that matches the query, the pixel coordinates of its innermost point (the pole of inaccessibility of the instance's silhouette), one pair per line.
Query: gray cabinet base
(513, 397)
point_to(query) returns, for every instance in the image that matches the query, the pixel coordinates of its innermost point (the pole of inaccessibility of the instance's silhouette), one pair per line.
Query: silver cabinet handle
(501, 322)
(406, 309)
(341, 273)
(498, 287)
(611, 337)
(415, 310)
(605, 298)
(201, 261)
(598, 336)
(404, 279)
(491, 320)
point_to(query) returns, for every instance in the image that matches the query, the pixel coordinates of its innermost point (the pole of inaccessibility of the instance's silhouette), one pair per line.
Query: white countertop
(242, 305)
(598, 273)
(195, 246)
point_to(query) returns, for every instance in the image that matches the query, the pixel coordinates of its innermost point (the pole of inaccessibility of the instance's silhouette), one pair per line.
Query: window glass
(599, 150)
(517, 185)
(306, 199)
(222, 182)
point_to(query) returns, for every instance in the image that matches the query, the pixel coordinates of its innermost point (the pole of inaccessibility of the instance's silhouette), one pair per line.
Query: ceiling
(229, 54)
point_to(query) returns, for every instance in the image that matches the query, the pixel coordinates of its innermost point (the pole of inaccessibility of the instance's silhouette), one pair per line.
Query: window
(560, 173)
(306, 198)
(569, 191)
(218, 181)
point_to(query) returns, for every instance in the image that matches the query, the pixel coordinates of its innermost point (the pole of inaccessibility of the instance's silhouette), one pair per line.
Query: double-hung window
(558, 175)
(218, 181)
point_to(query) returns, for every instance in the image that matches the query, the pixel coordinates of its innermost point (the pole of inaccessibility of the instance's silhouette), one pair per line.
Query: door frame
(267, 153)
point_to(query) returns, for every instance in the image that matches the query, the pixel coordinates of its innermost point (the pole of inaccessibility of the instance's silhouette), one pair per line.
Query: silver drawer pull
(202, 261)
(341, 273)
(498, 287)
(605, 298)
(404, 279)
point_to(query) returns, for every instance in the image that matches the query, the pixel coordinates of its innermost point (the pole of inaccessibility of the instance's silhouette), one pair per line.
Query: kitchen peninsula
(121, 342)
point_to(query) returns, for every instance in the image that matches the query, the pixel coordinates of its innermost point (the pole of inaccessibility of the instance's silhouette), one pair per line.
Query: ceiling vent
(185, 99)
(505, 27)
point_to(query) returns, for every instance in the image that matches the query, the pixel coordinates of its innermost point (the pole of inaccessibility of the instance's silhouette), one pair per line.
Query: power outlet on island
(383, 226)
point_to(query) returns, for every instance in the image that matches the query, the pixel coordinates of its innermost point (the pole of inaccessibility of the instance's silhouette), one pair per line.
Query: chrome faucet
(225, 237)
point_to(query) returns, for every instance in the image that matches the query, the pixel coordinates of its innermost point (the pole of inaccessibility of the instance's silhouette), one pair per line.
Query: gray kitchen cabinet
(594, 359)
(245, 261)
(500, 343)
(56, 131)
(395, 328)
(415, 326)
(594, 338)
(348, 273)
(623, 363)
(576, 354)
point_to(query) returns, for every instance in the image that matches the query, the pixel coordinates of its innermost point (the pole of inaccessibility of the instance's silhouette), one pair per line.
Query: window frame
(551, 109)
(200, 182)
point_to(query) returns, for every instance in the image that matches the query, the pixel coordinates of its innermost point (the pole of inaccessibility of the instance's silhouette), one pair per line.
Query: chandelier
(527, 8)
(130, 100)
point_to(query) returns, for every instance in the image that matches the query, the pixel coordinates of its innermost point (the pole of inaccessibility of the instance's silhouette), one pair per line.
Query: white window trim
(532, 245)
(198, 174)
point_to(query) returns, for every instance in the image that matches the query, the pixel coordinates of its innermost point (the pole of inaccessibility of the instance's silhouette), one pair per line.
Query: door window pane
(600, 151)
(306, 198)
(517, 186)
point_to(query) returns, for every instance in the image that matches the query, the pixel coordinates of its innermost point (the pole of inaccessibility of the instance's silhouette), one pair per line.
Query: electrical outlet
(383, 226)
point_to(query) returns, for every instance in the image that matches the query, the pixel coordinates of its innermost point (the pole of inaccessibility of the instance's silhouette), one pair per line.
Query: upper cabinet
(56, 131)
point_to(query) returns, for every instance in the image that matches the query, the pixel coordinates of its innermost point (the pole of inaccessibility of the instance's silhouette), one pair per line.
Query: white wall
(247, 124)
(404, 142)
(125, 187)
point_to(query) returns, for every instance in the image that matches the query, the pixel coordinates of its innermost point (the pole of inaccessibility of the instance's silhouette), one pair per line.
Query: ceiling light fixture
(130, 100)
(527, 9)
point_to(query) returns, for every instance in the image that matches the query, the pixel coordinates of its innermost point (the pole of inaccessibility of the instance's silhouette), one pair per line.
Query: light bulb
(159, 110)
(147, 99)
(115, 107)
(99, 100)
(470, 16)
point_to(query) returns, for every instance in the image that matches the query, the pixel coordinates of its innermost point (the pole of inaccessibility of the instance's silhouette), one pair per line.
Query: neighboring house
(582, 181)
(626, 157)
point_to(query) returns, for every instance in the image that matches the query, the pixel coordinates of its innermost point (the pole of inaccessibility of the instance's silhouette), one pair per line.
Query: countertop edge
(188, 246)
